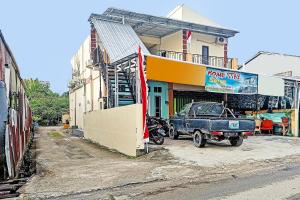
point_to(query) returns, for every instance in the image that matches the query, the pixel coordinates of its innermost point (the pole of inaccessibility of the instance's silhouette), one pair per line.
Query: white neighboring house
(273, 64)
(85, 93)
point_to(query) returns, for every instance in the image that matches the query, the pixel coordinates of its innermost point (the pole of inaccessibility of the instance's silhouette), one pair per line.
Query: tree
(47, 106)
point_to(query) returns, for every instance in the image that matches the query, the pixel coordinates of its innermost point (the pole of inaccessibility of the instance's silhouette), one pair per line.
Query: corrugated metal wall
(182, 97)
(16, 126)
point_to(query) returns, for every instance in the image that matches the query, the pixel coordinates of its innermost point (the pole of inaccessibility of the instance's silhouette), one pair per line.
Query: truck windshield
(208, 109)
(184, 110)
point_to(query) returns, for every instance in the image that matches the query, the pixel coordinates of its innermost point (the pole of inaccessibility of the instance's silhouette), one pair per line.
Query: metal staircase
(119, 81)
(119, 78)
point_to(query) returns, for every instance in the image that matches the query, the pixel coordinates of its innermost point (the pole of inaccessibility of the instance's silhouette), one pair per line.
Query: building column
(225, 55)
(171, 99)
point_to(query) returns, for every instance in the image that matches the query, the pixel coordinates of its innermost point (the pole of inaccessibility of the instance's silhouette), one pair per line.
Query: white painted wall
(80, 106)
(270, 64)
(172, 42)
(81, 58)
(270, 85)
(88, 95)
(185, 13)
(72, 108)
(77, 107)
(199, 40)
(117, 128)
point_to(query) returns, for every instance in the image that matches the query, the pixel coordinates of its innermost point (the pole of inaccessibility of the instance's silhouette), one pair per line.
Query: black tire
(236, 142)
(159, 140)
(198, 139)
(172, 133)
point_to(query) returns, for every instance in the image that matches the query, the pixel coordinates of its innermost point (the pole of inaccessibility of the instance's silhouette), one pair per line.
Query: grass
(56, 135)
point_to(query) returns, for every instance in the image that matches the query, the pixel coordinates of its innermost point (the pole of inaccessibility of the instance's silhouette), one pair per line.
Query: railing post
(137, 81)
(116, 86)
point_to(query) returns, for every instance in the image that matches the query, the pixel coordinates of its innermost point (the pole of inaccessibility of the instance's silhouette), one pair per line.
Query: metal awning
(144, 24)
(119, 40)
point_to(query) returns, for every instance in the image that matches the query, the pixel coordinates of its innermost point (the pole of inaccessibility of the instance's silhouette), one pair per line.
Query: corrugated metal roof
(144, 23)
(119, 40)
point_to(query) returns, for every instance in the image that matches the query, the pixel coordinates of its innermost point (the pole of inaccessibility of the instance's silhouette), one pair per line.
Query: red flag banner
(189, 40)
(144, 87)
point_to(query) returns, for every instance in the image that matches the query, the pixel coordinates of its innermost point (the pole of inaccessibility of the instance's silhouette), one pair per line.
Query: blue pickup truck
(210, 121)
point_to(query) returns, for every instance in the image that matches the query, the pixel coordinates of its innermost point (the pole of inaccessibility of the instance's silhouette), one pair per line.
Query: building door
(205, 55)
(157, 102)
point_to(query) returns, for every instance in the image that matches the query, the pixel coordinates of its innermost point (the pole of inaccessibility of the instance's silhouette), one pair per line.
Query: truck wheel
(237, 141)
(198, 139)
(172, 133)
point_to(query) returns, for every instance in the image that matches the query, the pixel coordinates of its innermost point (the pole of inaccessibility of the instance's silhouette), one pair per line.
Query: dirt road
(73, 168)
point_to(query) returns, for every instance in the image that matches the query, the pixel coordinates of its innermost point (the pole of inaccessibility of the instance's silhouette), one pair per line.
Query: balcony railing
(169, 54)
(195, 58)
(209, 60)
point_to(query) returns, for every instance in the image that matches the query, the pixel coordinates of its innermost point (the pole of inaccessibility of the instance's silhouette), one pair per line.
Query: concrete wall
(199, 40)
(172, 42)
(295, 122)
(87, 94)
(80, 106)
(77, 107)
(80, 59)
(72, 108)
(185, 13)
(117, 128)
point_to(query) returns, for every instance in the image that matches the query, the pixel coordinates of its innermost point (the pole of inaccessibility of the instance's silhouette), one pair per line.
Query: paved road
(276, 184)
(73, 168)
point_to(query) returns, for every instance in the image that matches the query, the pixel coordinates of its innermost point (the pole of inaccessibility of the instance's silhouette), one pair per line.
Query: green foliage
(47, 106)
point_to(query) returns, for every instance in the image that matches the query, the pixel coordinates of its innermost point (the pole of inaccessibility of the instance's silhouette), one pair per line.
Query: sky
(44, 34)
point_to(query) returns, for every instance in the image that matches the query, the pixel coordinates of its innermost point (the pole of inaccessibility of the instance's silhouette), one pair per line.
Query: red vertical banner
(144, 88)
(189, 40)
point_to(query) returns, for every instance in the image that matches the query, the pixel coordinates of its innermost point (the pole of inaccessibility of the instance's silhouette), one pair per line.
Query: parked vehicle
(164, 124)
(210, 121)
(156, 132)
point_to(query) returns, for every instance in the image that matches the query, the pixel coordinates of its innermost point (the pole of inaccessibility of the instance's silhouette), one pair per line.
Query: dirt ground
(73, 168)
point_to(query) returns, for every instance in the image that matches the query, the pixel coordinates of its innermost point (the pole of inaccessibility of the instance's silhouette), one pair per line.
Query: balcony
(196, 58)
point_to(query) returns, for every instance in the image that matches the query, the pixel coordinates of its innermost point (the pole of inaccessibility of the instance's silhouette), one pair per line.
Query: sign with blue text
(231, 82)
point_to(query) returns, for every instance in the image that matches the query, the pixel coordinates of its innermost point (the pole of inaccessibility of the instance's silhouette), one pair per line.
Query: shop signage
(231, 82)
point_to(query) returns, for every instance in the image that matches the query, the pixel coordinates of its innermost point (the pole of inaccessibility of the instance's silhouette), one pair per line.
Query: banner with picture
(231, 82)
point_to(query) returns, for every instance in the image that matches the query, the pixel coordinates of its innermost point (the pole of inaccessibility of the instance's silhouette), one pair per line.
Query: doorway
(205, 55)
(157, 103)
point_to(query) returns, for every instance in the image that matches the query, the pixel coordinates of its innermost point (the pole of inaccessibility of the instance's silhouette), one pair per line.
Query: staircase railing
(126, 66)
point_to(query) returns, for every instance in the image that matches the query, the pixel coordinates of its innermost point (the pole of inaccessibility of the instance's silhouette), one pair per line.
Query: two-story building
(104, 68)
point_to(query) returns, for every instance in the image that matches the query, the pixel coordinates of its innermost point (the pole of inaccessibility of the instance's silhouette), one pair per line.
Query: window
(149, 89)
(217, 110)
(185, 109)
(157, 89)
